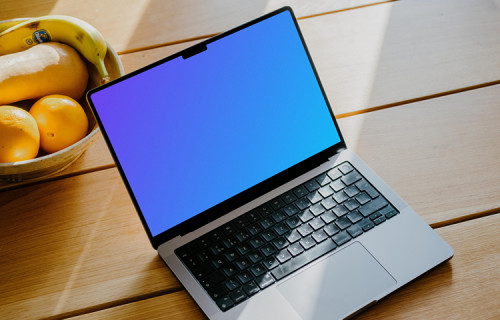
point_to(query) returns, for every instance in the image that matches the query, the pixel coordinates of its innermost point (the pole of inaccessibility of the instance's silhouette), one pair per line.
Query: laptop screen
(195, 130)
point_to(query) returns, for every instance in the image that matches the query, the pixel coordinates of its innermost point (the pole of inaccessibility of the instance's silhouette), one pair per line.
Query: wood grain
(441, 155)
(465, 287)
(131, 25)
(393, 52)
(76, 245)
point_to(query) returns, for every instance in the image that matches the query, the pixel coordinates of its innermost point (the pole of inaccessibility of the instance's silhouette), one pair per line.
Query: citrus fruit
(61, 122)
(19, 137)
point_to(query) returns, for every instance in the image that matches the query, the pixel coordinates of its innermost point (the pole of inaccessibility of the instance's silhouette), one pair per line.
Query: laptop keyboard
(248, 254)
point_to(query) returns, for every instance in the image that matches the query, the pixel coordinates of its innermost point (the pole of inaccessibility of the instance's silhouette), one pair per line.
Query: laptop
(238, 170)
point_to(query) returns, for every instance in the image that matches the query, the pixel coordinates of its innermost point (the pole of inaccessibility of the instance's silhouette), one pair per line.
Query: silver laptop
(236, 165)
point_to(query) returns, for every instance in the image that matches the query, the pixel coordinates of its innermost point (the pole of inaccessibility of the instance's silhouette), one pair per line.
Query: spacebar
(303, 259)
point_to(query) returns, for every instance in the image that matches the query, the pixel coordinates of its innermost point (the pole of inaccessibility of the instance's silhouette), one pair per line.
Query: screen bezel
(238, 200)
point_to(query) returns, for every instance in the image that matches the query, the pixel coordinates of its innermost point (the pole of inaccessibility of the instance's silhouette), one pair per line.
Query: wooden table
(415, 85)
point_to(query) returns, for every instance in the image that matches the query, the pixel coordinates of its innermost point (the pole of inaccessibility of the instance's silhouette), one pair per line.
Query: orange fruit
(61, 122)
(19, 137)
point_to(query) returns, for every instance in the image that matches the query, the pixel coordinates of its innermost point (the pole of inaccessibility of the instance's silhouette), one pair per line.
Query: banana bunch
(21, 34)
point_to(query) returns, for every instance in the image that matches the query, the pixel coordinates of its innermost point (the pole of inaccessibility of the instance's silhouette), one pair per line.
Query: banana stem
(105, 78)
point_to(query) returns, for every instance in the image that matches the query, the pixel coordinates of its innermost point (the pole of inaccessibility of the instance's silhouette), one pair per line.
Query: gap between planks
(165, 44)
(117, 303)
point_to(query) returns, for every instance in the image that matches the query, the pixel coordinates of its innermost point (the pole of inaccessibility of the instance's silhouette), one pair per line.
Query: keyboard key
(317, 209)
(326, 191)
(328, 217)
(225, 303)
(242, 263)
(300, 191)
(351, 191)
(290, 210)
(331, 229)
(218, 262)
(257, 270)
(373, 206)
(328, 203)
(265, 210)
(229, 270)
(277, 203)
(228, 229)
(337, 185)
(244, 277)
(243, 249)
(340, 197)
(256, 242)
(302, 204)
(355, 231)
(238, 296)
(218, 291)
(314, 197)
(212, 279)
(242, 235)
(312, 185)
(351, 178)
(230, 242)
(241, 222)
(366, 225)
(346, 168)
(289, 197)
(354, 216)
(319, 236)
(232, 284)
(307, 243)
(305, 216)
(305, 230)
(343, 223)
(281, 228)
(250, 288)
(270, 263)
(268, 249)
(351, 204)
(340, 210)
(280, 243)
(391, 214)
(293, 222)
(317, 223)
(379, 220)
(293, 236)
(366, 186)
(253, 216)
(334, 174)
(254, 229)
(266, 223)
(375, 215)
(255, 256)
(323, 179)
(264, 280)
(268, 235)
(341, 238)
(363, 198)
(279, 216)
(283, 256)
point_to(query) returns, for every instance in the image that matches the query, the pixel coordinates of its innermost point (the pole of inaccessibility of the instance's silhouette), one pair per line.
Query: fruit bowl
(45, 165)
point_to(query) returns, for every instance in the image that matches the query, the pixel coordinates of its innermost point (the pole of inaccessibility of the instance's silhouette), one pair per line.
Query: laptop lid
(204, 131)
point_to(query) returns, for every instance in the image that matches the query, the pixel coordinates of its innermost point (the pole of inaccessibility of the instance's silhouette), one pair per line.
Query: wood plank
(83, 235)
(441, 155)
(375, 56)
(74, 244)
(136, 24)
(393, 52)
(465, 287)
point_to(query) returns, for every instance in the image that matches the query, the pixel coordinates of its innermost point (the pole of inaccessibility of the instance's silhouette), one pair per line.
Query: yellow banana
(6, 24)
(69, 30)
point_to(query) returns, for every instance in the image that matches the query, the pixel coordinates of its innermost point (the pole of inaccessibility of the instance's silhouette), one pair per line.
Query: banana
(6, 24)
(69, 30)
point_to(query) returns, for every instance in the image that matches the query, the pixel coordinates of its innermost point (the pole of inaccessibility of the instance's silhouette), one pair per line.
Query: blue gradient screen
(191, 133)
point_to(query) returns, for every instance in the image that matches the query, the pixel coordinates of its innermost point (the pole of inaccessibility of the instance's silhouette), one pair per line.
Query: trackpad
(337, 286)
